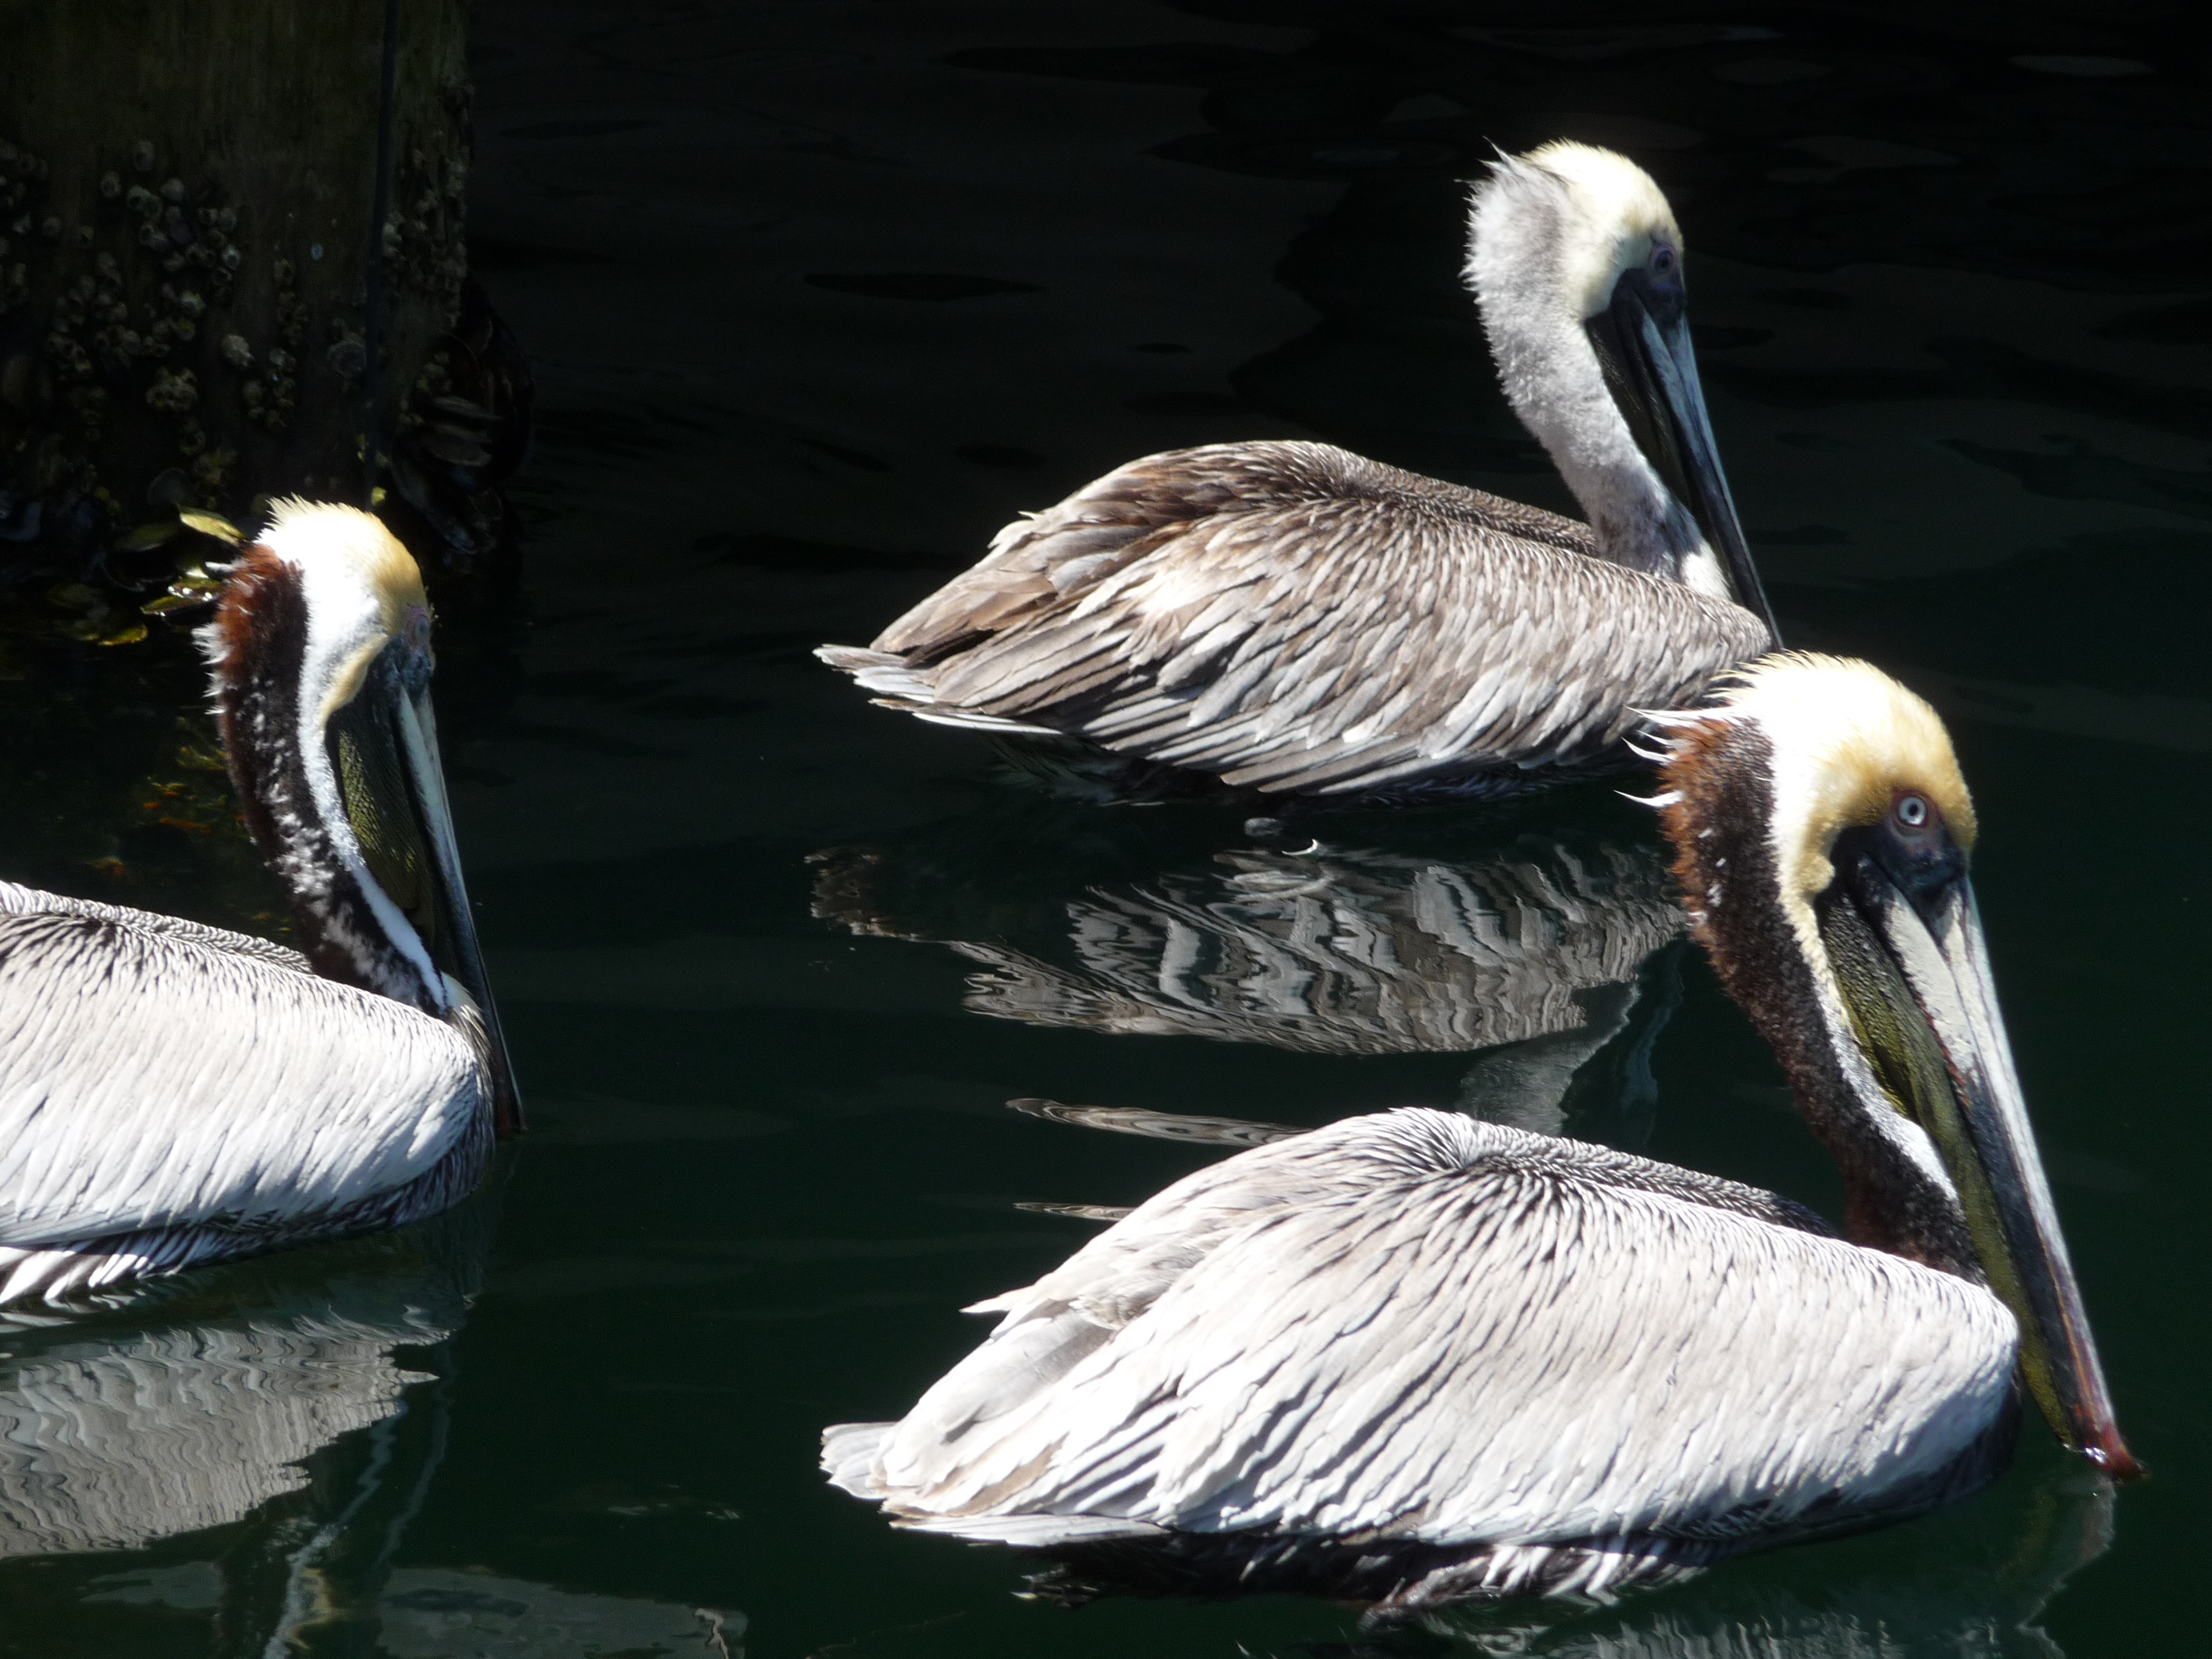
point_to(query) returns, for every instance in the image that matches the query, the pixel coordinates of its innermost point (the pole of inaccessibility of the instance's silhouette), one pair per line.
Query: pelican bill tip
(2109, 1455)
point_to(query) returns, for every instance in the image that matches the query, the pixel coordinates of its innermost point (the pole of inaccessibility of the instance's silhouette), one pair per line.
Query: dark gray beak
(1928, 1009)
(1642, 343)
(456, 946)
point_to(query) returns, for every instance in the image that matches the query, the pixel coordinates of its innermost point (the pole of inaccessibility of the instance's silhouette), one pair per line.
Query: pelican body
(173, 1094)
(1413, 1357)
(1291, 619)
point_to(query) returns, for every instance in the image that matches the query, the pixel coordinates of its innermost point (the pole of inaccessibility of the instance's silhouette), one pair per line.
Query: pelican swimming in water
(1294, 619)
(1413, 1357)
(173, 1094)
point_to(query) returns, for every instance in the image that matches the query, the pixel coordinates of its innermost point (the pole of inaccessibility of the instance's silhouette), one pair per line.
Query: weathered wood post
(187, 200)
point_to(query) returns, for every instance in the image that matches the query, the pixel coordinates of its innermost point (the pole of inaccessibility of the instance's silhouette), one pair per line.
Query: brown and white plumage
(1386, 1331)
(1288, 618)
(173, 1093)
(1414, 1357)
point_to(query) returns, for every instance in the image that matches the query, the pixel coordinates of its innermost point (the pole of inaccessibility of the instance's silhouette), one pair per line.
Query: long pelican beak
(418, 732)
(1642, 343)
(1920, 991)
(386, 744)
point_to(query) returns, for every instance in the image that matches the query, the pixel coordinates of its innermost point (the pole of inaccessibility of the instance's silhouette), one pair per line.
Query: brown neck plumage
(1719, 814)
(258, 651)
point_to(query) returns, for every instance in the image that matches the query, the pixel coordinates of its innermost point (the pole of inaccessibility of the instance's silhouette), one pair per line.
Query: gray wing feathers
(908, 689)
(1323, 623)
(31, 901)
(1422, 1327)
(148, 1079)
(849, 1452)
(1068, 551)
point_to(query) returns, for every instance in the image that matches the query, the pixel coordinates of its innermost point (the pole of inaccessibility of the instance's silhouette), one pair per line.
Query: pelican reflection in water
(186, 1411)
(1970, 1593)
(1413, 1357)
(275, 1426)
(288, 1415)
(1536, 948)
(1293, 619)
(173, 1094)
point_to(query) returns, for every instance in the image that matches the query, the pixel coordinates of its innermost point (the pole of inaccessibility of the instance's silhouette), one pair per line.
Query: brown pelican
(1294, 619)
(1414, 1357)
(172, 1093)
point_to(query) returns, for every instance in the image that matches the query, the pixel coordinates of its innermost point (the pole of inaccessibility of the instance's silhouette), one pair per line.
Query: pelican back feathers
(1452, 1358)
(1291, 618)
(172, 1094)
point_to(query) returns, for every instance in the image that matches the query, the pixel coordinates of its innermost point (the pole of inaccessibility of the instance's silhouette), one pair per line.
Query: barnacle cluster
(173, 391)
(22, 175)
(268, 399)
(96, 339)
(130, 327)
(172, 331)
(424, 239)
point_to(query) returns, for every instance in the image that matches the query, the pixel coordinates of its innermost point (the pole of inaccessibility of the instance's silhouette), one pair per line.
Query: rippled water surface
(817, 296)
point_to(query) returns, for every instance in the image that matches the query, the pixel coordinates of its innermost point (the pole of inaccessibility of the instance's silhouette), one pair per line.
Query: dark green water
(817, 296)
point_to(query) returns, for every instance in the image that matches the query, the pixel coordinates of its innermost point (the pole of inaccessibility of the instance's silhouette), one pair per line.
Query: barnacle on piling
(173, 391)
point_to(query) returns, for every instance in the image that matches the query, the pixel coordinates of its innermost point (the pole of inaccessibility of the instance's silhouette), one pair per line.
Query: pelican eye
(1912, 810)
(1662, 258)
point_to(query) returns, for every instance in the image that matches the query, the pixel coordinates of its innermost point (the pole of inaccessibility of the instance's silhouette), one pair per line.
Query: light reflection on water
(1952, 324)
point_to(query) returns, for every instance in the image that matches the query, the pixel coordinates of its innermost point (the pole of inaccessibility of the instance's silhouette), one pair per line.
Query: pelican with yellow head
(1289, 619)
(1413, 1357)
(172, 1093)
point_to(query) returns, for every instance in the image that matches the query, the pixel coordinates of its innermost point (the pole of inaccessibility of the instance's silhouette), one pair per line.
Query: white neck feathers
(1544, 251)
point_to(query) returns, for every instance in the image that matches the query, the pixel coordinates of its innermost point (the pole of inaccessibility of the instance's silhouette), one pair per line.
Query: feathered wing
(152, 1078)
(1420, 1327)
(1293, 618)
(18, 901)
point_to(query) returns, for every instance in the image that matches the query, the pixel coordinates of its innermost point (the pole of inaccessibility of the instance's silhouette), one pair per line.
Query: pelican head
(319, 654)
(1822, 834)
(1576, 261)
